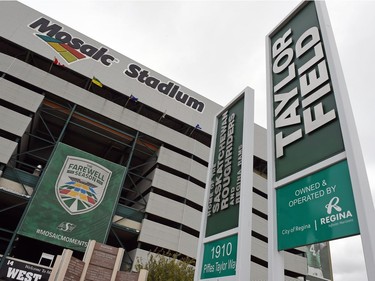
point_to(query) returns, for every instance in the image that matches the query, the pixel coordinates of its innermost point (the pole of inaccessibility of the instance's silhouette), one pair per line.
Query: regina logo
(70, 48)
(333, 204)
(81, 185)
(336, 213)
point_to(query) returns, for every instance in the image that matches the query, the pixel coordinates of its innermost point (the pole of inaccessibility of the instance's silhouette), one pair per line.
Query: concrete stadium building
(59, 86)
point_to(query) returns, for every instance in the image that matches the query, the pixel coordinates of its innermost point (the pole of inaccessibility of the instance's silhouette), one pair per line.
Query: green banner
(316, 208)
(75, 199)
(225, 182)
(220, 258)
(305, 119)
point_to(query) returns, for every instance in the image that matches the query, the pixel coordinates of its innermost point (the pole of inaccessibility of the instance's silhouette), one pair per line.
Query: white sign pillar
(311, 132)
(361, 187)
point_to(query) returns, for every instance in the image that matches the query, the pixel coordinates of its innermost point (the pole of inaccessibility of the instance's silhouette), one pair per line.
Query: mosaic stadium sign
(73, 49)
(68, 46)
(169, 89)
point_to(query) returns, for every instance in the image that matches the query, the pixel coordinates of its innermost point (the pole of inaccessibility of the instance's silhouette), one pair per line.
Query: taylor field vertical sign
(224, 243)
(318, 188)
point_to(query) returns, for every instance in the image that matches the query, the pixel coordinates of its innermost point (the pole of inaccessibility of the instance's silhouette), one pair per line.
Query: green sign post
(224, 243)
(303, 101)
(220, 258)
(224, 197)
(316, 208)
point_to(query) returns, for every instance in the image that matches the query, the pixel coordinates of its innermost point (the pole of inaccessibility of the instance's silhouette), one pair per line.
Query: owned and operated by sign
(317, 208)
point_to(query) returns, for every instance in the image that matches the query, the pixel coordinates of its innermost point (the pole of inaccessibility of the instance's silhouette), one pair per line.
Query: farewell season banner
(75, 199)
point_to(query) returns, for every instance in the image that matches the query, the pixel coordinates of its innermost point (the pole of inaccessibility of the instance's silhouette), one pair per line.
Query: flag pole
(88, 88)
(196, 127)
(127, 102)
(131, 98)
(50, 68)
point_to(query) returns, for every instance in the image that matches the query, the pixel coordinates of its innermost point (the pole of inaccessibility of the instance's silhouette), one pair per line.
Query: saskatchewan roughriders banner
(75, 199)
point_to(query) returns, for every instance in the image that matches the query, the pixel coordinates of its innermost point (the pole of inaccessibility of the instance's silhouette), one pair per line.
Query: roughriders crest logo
(70, 48)
(81, 185)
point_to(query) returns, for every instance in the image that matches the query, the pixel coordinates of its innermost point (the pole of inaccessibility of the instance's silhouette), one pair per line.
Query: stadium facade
(60, 88)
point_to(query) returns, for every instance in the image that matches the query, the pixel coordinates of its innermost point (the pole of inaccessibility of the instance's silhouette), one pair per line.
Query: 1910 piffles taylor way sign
(315, 168)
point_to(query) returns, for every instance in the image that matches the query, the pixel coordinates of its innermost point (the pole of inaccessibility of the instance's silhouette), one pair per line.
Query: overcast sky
(218, 48)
